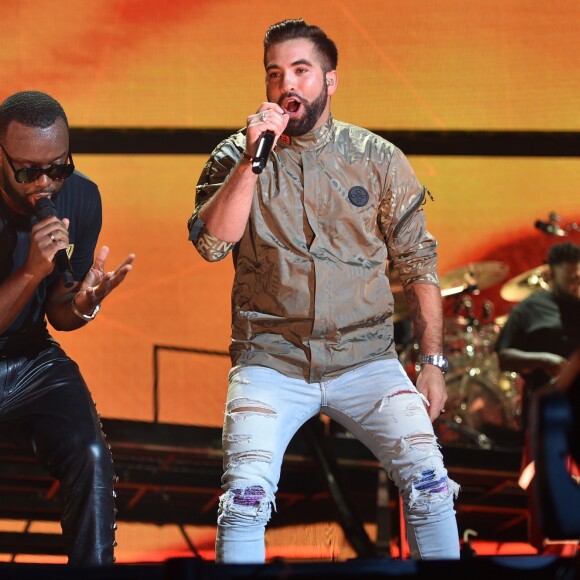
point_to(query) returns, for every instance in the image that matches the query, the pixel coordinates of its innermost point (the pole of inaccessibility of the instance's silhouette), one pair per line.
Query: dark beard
(313, 110)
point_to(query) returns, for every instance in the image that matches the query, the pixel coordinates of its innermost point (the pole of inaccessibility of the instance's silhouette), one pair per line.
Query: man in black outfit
(544, 329)
(540, 336)
(45, 405)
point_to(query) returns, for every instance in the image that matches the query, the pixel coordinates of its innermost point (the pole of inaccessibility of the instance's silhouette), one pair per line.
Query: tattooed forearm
(419, 322)
(426, 313)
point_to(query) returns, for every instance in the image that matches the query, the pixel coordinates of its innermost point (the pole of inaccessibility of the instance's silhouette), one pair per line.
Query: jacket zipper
(409, 213)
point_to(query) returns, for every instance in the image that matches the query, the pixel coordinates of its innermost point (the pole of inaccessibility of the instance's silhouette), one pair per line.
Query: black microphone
(265, 145)
(43, 209)
(550, 229)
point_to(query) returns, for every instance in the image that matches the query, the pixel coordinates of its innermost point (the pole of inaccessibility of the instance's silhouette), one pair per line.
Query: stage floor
(169, 475)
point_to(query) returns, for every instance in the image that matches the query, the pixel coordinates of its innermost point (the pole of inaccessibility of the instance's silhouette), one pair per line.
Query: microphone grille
(44, 208)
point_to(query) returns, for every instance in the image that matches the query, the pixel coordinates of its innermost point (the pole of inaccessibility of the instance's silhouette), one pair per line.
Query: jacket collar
(311, 141)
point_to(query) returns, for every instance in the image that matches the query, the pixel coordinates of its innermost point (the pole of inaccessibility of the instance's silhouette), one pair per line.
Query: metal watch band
(438, 360)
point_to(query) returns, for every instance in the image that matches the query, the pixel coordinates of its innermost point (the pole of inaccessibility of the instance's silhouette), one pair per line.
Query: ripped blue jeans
(378, 404)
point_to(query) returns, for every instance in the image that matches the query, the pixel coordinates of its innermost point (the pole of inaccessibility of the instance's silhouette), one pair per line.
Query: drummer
(540, 334)
(543, 330)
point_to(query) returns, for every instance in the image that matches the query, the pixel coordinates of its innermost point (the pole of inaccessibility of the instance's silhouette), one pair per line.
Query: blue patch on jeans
(249, 497)
(429, 483)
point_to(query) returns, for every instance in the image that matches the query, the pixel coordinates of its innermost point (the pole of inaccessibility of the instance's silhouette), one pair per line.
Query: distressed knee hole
(249, 457)
(421, 441)
(248, 501)
(415, 406)
(240, 408)
(430, 487)
(239, 438)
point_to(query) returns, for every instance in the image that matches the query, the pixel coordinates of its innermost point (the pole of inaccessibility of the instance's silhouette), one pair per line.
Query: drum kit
(484, 403)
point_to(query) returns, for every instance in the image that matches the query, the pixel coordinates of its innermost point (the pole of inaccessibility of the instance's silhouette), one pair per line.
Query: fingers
(51, 231)
(431, 408)
(109, 280)
(101, 258)
(270, 117)
(118, 275)
(48, 237)
(435, 413)
(94, 297)
(434, 410)
(438, 404)
(98, 284)
(126, 262)
(432, 386)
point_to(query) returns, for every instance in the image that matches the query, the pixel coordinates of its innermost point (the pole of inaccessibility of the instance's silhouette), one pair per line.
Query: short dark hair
(31, 108)
(564, 253)
(292, 29)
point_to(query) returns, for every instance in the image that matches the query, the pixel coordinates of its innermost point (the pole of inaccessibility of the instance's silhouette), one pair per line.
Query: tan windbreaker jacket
(311, 296)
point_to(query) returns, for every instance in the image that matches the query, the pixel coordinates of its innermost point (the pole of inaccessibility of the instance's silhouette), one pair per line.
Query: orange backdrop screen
(438, 65)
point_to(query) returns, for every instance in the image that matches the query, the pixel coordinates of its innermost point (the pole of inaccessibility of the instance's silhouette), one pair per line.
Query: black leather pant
(46, 406)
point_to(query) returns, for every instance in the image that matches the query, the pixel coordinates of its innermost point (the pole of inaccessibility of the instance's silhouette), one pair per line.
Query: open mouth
(291, 105)
(36, 196)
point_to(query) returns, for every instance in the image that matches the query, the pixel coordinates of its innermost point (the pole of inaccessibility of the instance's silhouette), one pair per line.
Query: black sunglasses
(29, 174)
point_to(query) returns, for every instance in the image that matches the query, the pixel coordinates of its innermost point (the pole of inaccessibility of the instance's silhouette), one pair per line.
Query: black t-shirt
(542, 323)
(78, 200)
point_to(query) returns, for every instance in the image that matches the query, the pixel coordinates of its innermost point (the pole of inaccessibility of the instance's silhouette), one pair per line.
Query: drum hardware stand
(460, 290)
(467, 550)
(488, 310)
(463, 303)
(553, 227)
(481, 441)
(325, 459)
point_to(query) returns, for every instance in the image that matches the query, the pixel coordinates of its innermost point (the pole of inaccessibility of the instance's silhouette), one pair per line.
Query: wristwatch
(437, 360)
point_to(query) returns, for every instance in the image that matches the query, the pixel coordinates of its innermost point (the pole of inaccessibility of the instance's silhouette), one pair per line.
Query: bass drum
(483, 406)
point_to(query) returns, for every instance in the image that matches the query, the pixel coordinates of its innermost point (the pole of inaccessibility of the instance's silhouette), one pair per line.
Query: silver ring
(263, 116)
(51, 236)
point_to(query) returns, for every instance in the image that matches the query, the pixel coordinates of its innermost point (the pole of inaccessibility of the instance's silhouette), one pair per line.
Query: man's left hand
(98, 283)
(431, 384)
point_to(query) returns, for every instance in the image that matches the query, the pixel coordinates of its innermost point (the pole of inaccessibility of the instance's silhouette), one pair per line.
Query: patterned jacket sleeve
(215, 173)
(402, 221)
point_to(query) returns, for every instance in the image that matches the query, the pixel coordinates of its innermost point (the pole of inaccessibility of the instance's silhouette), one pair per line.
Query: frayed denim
(378, 404)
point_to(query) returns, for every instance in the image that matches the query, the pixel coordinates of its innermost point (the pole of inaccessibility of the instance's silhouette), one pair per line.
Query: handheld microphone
(43, 209)
(265, 145)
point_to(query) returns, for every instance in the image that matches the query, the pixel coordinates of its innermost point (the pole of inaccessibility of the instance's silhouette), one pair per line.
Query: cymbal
(525, 284)
(480, 275)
